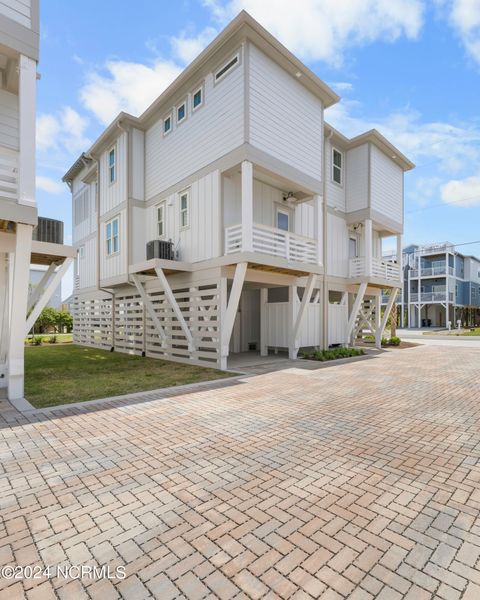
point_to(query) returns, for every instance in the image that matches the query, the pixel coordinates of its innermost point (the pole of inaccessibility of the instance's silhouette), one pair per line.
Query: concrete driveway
(352, 481)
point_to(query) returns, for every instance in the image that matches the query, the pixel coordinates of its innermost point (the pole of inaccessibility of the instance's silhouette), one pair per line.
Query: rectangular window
(226, 67)
(352, 248)
(161, 220)
(111, 236)
(283, 218)
(112, 165)
(167, 124)
(184, 209)
(337, 167)
(181, 112)
(197, 98)
(81, 252)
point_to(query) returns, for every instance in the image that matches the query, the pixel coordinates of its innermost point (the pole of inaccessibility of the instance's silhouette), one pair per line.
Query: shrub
(384, 341)
(394, 341)
(52, 339)
(333, 354)
(37, 340)
(369, 339)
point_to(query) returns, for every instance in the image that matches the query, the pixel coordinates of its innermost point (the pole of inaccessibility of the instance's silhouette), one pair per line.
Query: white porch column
(263, 321)
(318, 226)
(21, 272)
(26, 106)
(378, 332)
(368, 246)
(247, 206)
(292, 315)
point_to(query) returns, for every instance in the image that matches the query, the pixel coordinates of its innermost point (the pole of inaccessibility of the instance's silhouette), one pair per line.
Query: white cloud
(65, 130)
(464, 16)
(126, 86)
(187, 48)
(323, 29)
(47, 184)
(341, 86)
(462, 192)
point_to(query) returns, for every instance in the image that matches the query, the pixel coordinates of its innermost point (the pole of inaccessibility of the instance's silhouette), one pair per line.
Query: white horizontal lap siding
(357, 178)
(86, 266)
(335, 192)
(8, 120)
(113, 194)
(286, 120)
(207, 134)
(337, 246)
(17, 10)
(201, 239)
(84, 195)
(386, 185)
(114, 265)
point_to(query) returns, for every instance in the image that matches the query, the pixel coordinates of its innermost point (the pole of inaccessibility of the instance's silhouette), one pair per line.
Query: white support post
(378, 333)
(19, 298)
(26, 108)
(318, 226)
(232, 306)
(399, 253)
(4, 317)
(292, 313)
(147, 303)
(47, 294)
(247, 206)
(307, 295)
(223, 311)
(176, 309)
(355, 309)
(386, 314)
(368, 247)
(263, 321)
(35, 295)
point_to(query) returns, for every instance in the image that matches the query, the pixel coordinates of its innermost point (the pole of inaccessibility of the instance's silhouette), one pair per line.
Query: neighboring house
(231, 217)
(22, 242)
(36, 275)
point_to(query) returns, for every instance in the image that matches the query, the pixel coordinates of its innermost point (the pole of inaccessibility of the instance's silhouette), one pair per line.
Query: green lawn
(62, 338)
(62, 374)
(476, 331)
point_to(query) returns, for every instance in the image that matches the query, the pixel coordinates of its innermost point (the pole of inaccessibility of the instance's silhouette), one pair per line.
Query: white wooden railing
(274, 242)
(381, 269)
(431, 297)
(432, 271)
(8, 174)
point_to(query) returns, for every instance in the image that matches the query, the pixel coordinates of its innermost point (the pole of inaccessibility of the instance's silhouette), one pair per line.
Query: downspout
(97, 202)
(325, 246)
(127, 212)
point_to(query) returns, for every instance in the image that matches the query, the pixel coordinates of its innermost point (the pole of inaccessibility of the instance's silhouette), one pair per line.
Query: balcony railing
(432, 271)
(386, 298)
(8, 174)
(431, 297)
(381, 269)
(274, 242)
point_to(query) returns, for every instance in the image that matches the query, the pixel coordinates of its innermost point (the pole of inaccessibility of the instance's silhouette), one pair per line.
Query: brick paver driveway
(357, 481)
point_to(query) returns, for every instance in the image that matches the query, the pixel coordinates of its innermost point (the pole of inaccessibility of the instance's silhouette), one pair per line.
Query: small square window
(197, 98)
(167, 125)
(181, 112)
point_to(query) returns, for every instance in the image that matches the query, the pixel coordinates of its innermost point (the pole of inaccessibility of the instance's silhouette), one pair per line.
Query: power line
(476, 197)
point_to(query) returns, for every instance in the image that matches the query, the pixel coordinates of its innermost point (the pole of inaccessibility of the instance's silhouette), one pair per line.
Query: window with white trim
(112, 236)
(197, 98)
(112, 165)
(182, 112)
(352, 247)
(81, 252)
(161, 220)
(228, 66)
(167, 124)
(283, 219)
(337, 166)
(184, 209)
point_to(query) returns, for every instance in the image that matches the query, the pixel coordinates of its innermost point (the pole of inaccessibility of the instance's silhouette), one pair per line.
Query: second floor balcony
(433, 271)
(431, 296)
(376, 268)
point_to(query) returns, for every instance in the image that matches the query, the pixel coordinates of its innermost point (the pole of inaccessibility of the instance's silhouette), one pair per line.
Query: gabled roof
(376, 138)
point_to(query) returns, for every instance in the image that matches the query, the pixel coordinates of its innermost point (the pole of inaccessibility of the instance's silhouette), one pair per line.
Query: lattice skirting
(123, 323)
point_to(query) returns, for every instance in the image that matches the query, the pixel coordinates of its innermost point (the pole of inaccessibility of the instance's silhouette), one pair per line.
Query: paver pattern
(354, 481)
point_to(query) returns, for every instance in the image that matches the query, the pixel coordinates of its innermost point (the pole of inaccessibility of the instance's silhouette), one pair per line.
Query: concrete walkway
(359, 480)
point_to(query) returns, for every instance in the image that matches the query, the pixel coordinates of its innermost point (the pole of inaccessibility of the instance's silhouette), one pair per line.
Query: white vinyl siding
(9, 120)
(207, 135)
(84, 215)
(115, 264)
(113, 194)
(335, 193)
(286, 119)
(357, 178)
(338, 246)
(86, 267)
(17, 10)
(386, 186)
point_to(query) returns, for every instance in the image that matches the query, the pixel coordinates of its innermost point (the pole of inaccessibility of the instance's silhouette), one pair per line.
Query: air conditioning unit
(160, 249)
(48, 230)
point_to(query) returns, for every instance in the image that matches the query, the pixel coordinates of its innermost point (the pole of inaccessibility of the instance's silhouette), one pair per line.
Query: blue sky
(410, 68)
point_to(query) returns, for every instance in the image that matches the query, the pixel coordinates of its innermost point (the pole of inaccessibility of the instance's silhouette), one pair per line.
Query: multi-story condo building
(19, 36)
(231, 217)
(443, 286)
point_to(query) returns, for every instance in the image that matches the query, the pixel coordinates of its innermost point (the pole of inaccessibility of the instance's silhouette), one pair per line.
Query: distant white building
(37, 272)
